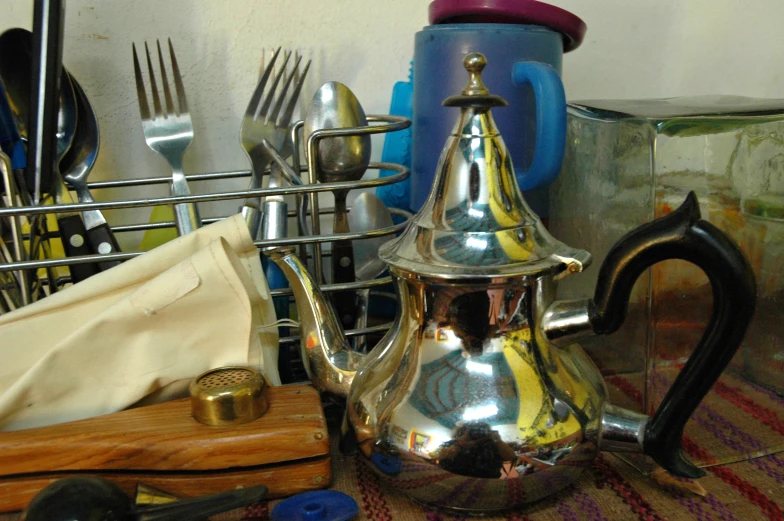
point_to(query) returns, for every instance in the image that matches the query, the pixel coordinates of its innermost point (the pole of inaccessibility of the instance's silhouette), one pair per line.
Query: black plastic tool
(96, 499)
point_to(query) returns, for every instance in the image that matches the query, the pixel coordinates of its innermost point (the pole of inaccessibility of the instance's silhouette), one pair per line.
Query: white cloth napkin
(158, 320)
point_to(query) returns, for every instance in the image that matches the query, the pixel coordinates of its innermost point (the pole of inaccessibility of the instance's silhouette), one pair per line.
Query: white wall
(633, 48)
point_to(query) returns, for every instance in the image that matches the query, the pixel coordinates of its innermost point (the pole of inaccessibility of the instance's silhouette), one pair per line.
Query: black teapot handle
(681, 235)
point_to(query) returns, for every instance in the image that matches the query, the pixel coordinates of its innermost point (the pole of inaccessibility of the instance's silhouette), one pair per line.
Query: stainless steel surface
(75, 166)
(476, 222)
(367, 213)
(170, 133)
(262, 192)
(14, 227)
(16, 75)
(289, 241)
(275, 210)
(47, 57)
(566, 322)
(465, 387)
(621, 430)
(340, 158)
(381, 124)
(264, 122)
(328, 361)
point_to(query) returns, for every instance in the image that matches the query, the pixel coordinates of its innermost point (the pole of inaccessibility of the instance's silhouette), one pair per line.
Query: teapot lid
(475, 222)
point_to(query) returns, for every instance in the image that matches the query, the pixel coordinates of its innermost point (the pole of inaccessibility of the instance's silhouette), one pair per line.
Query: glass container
(630, 161)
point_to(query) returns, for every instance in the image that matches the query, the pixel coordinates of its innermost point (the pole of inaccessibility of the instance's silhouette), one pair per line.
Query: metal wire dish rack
(309, 242)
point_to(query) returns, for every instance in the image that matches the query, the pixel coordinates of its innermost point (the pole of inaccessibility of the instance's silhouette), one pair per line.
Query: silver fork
(169, 133)
(264, 121)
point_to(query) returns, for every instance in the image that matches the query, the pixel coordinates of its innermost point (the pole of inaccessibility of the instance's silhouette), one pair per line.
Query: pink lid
(530, 12)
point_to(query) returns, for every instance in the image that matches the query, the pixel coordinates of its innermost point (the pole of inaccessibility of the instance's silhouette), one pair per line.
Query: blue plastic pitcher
(523, 66)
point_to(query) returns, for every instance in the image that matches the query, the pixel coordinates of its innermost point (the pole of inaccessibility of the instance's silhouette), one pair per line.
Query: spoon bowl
(339, 158)
(367, 213)
(343, 158)
(78, 162)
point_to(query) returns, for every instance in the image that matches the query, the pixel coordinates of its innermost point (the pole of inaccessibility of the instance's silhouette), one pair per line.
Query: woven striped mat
(735, 419)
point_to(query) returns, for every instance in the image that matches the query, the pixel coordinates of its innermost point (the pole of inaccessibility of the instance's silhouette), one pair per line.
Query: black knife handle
(102, 241)
(74, 238)
(343, 271)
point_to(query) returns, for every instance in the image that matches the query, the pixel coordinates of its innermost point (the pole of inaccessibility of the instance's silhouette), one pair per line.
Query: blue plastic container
(524, 65)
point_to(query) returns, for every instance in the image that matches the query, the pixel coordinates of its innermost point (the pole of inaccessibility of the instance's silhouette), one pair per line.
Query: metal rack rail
(310, 188)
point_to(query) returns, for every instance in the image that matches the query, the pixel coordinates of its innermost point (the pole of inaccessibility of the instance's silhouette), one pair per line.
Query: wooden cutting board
(161, 445)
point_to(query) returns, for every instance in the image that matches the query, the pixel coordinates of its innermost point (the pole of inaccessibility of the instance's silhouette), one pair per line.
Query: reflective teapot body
(464, 404)
(479, 398)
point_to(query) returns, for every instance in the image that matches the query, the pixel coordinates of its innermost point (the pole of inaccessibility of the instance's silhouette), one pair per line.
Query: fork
(168, 133)
(263, 121)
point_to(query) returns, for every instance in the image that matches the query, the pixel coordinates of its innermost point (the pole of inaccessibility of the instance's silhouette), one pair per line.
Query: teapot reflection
(479, 397)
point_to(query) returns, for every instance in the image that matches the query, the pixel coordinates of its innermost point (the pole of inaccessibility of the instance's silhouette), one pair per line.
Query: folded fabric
(198, 302)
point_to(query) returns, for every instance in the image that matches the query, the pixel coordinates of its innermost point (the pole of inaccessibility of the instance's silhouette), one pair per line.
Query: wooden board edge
(282, 480)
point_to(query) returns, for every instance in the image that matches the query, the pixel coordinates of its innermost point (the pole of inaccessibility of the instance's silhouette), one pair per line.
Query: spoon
(17, 77)
(346, 158)
(75, 166)
(96, 499)
(367, 213)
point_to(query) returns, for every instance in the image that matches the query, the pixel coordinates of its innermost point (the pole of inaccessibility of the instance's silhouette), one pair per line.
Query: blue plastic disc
(319, 505)
(386, 464)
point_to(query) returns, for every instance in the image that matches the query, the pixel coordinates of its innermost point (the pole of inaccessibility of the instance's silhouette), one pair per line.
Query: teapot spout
(330, 364)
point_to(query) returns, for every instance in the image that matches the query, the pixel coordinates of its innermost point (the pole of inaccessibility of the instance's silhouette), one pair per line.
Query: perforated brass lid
(228, 396)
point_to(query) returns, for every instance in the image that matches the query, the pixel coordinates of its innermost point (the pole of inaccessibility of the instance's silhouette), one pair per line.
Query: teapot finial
(474, 63)
(475, 93)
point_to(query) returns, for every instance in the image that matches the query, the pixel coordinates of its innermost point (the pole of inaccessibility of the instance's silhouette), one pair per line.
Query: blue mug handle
(550, 102)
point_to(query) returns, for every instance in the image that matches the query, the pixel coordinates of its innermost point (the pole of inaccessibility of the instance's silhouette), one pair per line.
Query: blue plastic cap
(319, 505)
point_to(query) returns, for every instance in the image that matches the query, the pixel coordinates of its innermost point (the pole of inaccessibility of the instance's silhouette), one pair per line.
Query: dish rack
(313, 241)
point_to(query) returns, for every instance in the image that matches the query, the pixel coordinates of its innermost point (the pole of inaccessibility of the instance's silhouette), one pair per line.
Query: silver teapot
(479, 398)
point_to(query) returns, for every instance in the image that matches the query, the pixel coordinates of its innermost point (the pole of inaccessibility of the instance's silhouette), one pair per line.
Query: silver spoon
(346, 158)
(75, 166)
(367, 213)
(18, 42)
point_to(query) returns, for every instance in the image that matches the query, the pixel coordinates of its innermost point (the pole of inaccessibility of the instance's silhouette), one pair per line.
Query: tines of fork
(267, 118)
(168, 132)
(182, 100)
(260, 108)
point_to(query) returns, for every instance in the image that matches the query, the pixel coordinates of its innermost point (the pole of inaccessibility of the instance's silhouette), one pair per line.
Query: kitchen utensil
(628, 160)
(85, 498)
(480, 383)
(274, 224)
(170, 133)
(287, 449)
(10, 286)
(10, 140)
(75, 166)
(525, 41)
(339, 159)
(229, 396)
(16, 73)
(13, 226)
(367, 213)
(324, 505)
(19, 42)
(72, 230)
(46, 54)
(263, 120)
